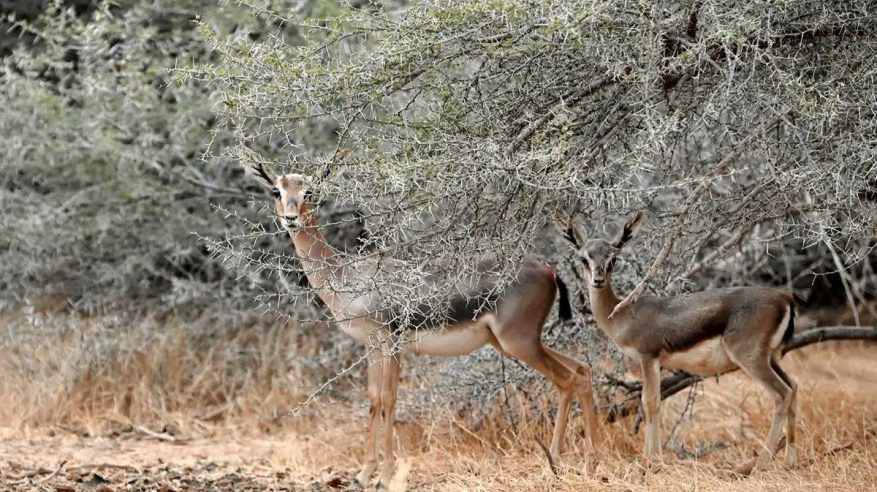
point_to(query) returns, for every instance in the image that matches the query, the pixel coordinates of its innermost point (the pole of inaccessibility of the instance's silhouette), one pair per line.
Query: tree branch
(530, 129)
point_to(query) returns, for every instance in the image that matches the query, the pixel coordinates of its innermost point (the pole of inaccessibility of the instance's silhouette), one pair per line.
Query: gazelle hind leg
(758, 367)
(390, 388)
(584, 388)
(370, 460)
(791, 458)
(539, 358)
(565, 380)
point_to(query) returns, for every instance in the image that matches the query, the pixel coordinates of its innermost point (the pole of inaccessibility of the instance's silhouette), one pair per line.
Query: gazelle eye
(276, 193)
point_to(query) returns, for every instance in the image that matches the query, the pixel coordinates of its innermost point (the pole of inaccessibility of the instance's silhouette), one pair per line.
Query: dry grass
(222, 396)
(95, 374)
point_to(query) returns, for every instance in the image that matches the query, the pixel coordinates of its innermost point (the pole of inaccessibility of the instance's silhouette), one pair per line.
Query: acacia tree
(747, 133)
(469, 124)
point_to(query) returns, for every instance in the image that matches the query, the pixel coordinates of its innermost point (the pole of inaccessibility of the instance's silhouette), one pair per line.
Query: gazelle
(513, 325)
(704, 333)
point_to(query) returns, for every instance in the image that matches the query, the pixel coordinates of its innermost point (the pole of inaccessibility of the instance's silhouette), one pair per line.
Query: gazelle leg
(563, 407)
(564, 379)
(651, 401)
(374, 374)
(564, 402)
(388, 411)
(585, 391)
(759, 368)
(791, 414)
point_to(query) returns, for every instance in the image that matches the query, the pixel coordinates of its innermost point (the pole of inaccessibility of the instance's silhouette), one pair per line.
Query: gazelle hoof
(654, 465)
(357, 484)
(746, 467)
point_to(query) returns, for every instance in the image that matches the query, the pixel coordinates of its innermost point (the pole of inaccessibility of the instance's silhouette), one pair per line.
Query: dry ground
(838, 446)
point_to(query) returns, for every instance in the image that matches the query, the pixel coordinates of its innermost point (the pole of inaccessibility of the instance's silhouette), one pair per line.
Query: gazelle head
(294, 202)
(598, 255)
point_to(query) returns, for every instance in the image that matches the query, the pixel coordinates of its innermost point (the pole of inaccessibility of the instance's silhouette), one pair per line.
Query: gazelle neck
(603, 301)
(317, 257)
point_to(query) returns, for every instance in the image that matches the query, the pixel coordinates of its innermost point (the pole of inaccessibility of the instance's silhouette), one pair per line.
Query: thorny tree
(747, 132)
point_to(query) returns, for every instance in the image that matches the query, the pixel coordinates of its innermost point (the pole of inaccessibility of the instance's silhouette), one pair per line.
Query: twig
(217, 412)
(505, 393)
(831, 452)
(58, 469)
(735, 239)
(841, 271)
(90, 466)
(32, 473)
(548, 456)
(158, 435)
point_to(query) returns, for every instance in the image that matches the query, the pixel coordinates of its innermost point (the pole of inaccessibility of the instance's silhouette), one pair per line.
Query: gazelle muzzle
(598, 276)
(290, 222)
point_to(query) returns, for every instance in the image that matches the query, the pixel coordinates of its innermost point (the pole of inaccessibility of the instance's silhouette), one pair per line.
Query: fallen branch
(682, 380)
(159, 435)
(57, 470)
(826, 333)
(548, 456)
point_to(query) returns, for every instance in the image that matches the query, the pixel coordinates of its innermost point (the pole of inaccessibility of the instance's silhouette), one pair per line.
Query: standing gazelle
(513, 325)
(704, 333)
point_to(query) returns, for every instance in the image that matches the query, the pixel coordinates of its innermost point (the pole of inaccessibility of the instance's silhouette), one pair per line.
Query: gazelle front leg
(651, 401)
(374, 374)
(389, 390)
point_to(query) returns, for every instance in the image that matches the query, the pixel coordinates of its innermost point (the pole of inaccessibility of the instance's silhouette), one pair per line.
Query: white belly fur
(451, 342)
(359, 328)
(704, 359)
(456, 340)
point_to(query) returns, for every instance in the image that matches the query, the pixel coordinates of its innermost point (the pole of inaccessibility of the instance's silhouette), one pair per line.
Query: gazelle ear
(627, 231)
(564, 227)
(569, 232)
(313, 198)
(262, 173)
